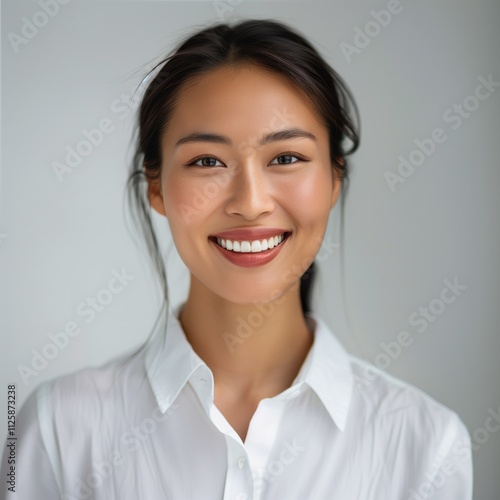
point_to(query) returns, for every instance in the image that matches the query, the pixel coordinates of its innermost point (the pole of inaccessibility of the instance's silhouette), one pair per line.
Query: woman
(244, 393)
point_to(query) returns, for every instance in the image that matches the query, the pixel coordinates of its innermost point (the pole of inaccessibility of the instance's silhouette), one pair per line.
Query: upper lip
(250, 233)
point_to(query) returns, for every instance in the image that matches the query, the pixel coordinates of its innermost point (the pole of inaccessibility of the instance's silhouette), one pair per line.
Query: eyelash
(286, 153)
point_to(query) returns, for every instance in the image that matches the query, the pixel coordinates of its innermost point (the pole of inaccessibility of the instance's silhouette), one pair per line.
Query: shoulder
(407, 419)
(385, 397)
(74, 416)
(87, 395)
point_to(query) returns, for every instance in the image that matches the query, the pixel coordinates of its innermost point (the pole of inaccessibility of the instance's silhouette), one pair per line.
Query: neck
(253, 349)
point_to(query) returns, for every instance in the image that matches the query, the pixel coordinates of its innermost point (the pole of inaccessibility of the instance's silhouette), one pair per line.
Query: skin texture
(247, 188)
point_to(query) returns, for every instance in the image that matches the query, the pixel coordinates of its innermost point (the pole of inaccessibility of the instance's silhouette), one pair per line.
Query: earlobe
(337, 184)
(155, 197)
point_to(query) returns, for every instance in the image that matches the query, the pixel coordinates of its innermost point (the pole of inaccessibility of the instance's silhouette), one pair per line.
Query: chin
(254, 295)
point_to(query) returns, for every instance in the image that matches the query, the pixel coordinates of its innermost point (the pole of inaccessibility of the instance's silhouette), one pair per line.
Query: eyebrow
(280, 135)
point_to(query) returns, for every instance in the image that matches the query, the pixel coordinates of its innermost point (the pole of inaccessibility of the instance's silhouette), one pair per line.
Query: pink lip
(250, 234)
(250, 259)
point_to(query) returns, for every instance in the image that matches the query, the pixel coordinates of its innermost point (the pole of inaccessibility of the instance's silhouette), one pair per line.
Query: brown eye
(206, 161)
(286, 159)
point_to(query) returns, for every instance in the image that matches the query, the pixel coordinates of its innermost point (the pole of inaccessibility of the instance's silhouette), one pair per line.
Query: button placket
(239, 480)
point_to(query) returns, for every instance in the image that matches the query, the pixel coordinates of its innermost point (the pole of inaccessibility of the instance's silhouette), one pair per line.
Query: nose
(250, 192)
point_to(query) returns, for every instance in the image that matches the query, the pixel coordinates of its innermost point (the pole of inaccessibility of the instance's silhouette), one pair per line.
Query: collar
(170, 362)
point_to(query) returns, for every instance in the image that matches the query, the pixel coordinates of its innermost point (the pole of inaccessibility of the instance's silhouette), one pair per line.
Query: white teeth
(250, 246)
(245, 247)
(256, 246)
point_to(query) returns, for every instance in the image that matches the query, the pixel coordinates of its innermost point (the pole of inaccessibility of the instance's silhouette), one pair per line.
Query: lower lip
(250, 259)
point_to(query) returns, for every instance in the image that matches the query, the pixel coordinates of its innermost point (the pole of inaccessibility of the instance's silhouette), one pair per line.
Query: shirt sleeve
(451, 474)
(34, 477)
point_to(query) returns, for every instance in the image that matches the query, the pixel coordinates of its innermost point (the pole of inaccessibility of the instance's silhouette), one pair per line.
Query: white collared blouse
(146, 428)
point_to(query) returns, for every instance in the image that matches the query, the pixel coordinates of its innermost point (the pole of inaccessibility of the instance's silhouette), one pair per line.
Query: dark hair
(267, 44)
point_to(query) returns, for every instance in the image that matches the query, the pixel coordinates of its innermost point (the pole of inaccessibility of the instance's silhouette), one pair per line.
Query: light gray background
(59, 241)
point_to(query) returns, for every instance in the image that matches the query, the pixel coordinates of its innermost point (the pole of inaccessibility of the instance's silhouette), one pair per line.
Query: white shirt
(146, 428)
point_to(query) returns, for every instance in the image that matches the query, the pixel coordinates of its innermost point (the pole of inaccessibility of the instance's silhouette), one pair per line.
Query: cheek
(177, 193)
(184, 216)
(186, 200)
(309, 197)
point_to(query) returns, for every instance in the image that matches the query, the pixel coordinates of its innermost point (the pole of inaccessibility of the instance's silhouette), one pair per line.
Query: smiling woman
(244, 393)
(270, 193)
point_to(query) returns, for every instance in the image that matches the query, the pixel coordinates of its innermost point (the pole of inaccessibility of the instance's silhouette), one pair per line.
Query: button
(242, 463)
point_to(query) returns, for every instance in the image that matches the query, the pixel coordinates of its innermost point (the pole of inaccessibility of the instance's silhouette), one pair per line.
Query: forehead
(242, 101)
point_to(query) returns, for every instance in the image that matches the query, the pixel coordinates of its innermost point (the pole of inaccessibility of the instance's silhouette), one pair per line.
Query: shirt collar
(171, 362)
(328, 372)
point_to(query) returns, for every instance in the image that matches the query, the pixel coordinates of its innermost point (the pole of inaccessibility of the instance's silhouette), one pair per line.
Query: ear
(155, 196)
(336, 182)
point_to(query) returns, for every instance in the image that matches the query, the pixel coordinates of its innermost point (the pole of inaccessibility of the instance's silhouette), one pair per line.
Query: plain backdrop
(61, 239)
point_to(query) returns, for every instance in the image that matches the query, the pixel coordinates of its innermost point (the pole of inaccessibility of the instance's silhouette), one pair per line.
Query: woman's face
(223, 171)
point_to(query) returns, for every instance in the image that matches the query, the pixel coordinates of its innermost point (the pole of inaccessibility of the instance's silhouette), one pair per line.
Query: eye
(207, 161)
(286, 158)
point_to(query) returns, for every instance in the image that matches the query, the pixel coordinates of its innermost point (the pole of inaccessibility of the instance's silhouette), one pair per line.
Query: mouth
(251, 246)
(252, 251)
